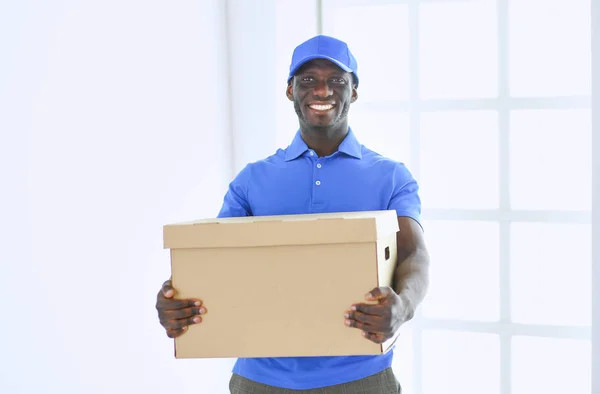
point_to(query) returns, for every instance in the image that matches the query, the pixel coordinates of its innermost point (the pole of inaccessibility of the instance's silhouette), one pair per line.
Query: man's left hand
(378, 322)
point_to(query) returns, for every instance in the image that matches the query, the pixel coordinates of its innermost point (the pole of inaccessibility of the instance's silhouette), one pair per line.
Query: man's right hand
(176, 315)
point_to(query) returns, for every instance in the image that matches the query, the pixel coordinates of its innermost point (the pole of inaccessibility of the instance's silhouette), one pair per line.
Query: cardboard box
(278, 286)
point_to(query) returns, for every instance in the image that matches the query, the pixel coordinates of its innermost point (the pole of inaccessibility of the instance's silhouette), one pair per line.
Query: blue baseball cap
(324, 47)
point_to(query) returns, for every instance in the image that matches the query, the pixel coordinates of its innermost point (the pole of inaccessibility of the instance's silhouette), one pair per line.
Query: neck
(324, 140)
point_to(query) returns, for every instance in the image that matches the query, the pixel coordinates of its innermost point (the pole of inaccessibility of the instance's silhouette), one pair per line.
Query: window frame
(504, 104)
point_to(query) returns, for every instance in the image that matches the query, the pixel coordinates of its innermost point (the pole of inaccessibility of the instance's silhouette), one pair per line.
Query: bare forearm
(411, 281)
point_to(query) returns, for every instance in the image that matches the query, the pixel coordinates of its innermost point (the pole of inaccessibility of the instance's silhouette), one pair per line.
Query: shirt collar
(349, 146)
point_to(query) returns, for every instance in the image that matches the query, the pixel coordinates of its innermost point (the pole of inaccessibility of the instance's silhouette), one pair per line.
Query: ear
(354, 94)
(289, 91)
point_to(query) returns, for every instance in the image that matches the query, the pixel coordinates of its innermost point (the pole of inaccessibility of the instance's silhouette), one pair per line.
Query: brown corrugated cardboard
(278, 286)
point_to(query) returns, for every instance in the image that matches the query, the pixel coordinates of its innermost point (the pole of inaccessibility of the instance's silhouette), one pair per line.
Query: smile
(321, 107)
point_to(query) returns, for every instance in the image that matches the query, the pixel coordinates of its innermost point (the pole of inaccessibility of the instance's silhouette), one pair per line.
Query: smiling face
(322, 93)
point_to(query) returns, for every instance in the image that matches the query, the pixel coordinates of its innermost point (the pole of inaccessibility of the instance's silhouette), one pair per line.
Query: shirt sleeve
(235, 203)
(405, 199)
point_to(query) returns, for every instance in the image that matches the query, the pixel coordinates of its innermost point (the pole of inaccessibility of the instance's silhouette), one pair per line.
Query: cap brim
(313, 57)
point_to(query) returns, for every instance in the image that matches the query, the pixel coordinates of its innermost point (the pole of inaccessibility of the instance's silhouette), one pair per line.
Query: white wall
(251, 33)
(113, 121)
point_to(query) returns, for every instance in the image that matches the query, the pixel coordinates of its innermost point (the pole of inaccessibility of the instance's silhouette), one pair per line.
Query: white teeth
(321, 107)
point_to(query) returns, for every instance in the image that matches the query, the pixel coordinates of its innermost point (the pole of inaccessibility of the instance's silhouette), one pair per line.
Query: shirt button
(311, 153)
(318, 183)
(319, 165)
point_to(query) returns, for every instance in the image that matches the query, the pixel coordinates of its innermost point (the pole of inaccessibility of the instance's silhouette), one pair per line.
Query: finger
(180, 323)
(379, 293)
(184, 313)
(374, 337)
(167, 304)
(174, 333)
(167, 289)
(359, 316)
(357, 324)
(367, 309)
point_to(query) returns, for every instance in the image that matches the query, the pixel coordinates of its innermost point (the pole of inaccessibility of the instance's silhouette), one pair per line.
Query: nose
(322, 89)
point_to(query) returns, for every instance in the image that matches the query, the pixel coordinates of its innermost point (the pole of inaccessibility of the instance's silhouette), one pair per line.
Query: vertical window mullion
(504, 177)
(415, 154)
(319, 16)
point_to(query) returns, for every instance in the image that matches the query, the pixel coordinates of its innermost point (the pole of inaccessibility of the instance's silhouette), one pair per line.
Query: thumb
(167, 289)
(379, 293)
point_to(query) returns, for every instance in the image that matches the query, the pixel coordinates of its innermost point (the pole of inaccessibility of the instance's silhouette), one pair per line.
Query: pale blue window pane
(549, 47)
(460, 362)
(465, 256)
(458, 49)
(459, 159)
(550, 366)
(551, 273)
(550, 159)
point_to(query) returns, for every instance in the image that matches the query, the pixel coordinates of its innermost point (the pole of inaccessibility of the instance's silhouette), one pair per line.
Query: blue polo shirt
(296, 181)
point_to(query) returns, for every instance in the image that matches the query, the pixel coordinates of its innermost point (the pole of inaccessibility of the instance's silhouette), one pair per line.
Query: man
(325, 169)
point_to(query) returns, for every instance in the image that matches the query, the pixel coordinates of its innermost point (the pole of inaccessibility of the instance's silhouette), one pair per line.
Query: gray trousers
(384, 382)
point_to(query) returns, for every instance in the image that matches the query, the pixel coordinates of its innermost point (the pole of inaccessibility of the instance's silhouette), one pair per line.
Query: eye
(340, 81)
(307, 79)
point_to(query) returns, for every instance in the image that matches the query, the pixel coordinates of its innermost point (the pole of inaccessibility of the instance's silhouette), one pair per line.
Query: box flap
(328, 228)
